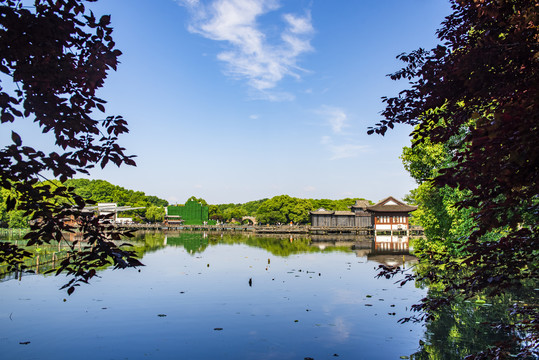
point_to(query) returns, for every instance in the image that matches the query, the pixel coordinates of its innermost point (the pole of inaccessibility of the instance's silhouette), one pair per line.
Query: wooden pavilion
(389, 214)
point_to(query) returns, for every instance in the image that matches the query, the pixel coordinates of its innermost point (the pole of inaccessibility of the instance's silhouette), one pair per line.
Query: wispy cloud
(341, 330)
(342, 151)
(249, 54)
(335, 117)
(340, 144)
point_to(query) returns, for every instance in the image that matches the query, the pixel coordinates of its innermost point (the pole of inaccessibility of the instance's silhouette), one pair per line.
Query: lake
(221, 296)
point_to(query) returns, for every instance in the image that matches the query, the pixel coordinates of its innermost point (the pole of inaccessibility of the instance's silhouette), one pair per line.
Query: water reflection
(269, 297)
(384, 249)
(381, 248)
(225, 296)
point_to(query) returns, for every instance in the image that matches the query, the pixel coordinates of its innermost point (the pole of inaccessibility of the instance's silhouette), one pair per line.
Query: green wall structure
(192, 213)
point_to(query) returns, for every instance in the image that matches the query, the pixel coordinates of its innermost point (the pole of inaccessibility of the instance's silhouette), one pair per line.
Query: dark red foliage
(484, 81)
(55, 55)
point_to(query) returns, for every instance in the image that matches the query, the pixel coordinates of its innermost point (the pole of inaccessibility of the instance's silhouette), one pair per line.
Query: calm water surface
(193, 300)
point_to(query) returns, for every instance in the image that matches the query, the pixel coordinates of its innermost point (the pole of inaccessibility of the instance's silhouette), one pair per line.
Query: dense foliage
(13, 219)
(474, 103)
(281, 209)
(101, 191)
(54, 57)
(97, 191)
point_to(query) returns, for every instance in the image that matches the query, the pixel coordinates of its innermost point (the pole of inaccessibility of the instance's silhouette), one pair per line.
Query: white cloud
(249, 54)
(346, 151)
(309, 188)
(189, 3)
(342, 151)
(341, 330)
(299, 25)
(340, 144)
(325, 140)
(253, 116)
(335, 117)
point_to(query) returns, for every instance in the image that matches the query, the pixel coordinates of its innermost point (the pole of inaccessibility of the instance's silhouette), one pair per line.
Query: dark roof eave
(391, 208)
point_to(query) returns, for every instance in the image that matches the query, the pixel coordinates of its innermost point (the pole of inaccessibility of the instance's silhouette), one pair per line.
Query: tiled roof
(349, 213)
(361, 204)
(322, 211)
(393, 206)
(336, 213)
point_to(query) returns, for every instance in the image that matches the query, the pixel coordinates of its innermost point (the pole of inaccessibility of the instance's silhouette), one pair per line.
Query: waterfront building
(389, 214)
(112, 210)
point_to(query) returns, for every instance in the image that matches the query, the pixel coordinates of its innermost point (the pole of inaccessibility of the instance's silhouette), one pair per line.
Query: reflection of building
(192, 242)
(391, 250)
(391, 244)
(389, 214)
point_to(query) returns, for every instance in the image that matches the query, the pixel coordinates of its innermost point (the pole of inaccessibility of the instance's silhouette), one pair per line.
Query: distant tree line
(99, 191)
(279, 209)
(102, 191)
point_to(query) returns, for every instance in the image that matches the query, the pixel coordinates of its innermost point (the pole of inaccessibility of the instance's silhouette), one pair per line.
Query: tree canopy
(54, 57)
(279, 209)
(473, 100)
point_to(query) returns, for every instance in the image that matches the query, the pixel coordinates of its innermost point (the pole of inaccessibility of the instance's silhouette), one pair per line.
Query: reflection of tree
(38, 259)
(196, 242)
(481, 326)
(467, 328)
(192, 242)
(278, 246)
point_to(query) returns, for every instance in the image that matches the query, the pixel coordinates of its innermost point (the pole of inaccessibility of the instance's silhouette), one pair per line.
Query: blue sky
(238, 100)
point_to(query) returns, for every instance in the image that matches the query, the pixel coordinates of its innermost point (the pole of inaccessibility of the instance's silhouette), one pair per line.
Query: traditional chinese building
(356, 217)
(389, 214)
